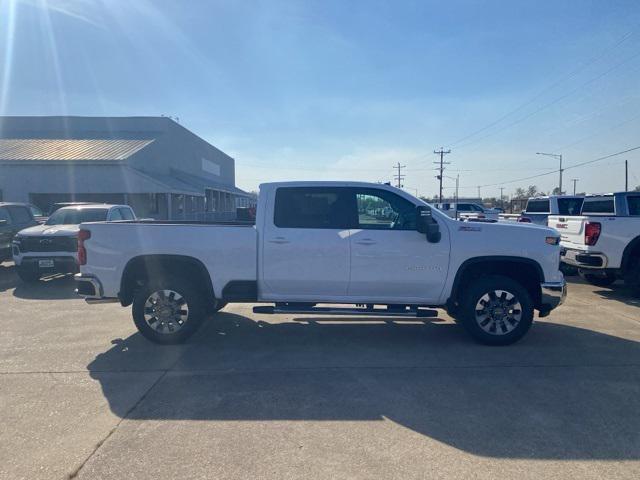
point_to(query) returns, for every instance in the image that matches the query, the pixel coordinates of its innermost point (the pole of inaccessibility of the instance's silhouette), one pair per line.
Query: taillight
(524, 220)
(82, 252)
(592, 233)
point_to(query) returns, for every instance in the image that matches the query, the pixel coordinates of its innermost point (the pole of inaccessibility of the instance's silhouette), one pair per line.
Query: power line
(565, 168)
(551, 103)
(547, 89)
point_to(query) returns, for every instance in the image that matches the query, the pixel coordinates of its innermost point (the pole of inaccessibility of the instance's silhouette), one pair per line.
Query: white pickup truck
(604, 241)
(371, 246)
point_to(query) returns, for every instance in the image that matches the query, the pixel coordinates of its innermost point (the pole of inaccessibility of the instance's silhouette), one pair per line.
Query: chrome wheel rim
(498, 312)
(166, 311)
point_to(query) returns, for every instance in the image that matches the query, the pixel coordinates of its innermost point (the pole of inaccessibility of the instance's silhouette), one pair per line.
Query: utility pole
(399, 177)
(557, 156)
(479, 196)
(501, 198)
(626, 175)
(442, 163)
(574, 180)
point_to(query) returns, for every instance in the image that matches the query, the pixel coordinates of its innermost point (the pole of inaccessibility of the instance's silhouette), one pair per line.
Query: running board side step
(378, 312)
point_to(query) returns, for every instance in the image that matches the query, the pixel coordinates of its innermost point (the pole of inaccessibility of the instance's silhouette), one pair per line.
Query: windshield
(75, 216)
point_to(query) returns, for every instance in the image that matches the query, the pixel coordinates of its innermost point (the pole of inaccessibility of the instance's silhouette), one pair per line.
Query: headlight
(552, 240)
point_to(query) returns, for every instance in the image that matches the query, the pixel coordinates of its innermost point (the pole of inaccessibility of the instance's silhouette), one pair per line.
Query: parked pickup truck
(462, 211)
(603, 242)
(52, 247)
(538, 209)
(369, 245)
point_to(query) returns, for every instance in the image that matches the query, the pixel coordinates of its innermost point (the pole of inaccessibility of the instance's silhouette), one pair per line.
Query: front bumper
(553, 295)
(582, 259)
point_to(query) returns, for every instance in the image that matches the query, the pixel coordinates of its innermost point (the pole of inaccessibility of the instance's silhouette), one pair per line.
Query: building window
(180, 203)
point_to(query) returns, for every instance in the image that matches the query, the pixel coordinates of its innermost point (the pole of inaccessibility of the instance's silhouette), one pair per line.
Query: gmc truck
(372, 248)
(604, 241)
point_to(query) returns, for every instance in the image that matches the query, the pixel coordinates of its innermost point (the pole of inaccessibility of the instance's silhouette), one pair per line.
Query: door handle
(366, 241)
(279, 240)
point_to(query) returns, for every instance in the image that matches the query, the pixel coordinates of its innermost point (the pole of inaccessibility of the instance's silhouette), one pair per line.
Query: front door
(391, 262)
(306, 245)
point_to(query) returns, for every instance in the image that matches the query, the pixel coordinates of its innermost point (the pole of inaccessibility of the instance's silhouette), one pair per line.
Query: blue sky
(345, 89)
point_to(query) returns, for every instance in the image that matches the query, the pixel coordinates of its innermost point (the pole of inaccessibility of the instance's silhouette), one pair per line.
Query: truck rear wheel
(632, 275)
(168, 311)
(496, 310)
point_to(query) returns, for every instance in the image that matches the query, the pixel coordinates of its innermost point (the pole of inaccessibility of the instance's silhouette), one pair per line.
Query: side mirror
(427, 225)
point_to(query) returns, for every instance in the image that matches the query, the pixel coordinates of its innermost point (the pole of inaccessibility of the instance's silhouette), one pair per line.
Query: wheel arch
(630, 251)
(142, 268)
(529, 273)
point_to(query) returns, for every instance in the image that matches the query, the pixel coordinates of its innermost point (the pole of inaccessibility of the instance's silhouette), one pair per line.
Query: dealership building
(154, 164)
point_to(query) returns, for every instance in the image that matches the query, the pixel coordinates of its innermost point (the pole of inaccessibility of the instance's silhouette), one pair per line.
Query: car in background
(538, 209)
(52, 247)
(603, 242)
(13, 218)
(464, 210)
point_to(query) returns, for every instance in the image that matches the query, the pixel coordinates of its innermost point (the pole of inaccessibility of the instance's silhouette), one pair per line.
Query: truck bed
(231, 245)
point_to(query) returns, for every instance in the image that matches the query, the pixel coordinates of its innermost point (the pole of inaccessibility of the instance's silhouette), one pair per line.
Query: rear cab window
(538, 206)
(570, 206)
(127, 213)
(599, 206)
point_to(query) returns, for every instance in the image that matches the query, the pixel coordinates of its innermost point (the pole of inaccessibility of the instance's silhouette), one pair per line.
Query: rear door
(305, 244)
(391, 262)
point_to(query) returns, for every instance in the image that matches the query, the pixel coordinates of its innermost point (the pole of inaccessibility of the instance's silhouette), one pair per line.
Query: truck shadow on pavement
(54, 287)
(562, 393)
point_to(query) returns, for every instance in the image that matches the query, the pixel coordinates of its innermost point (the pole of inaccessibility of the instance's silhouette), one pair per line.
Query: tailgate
(571, 229)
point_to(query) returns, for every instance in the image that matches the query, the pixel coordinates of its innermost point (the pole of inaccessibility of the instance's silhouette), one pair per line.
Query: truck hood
(50, 231)
(512, 227)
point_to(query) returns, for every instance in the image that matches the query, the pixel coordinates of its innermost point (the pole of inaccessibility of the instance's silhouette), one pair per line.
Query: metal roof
(69, 149)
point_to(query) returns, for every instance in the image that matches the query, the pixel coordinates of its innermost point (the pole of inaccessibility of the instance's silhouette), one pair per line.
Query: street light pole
(557, 156)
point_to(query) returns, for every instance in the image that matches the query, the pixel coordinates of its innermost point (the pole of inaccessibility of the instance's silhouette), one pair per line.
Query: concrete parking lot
(250, 397)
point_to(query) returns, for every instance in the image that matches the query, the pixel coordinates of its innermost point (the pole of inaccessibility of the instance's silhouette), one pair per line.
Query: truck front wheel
(496, 310)
(168, 311)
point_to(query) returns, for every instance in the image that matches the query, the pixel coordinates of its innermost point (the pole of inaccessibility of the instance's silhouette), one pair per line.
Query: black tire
(632, 275)
(28, 275)
(513, 323)
(605, 280)
(167, 329)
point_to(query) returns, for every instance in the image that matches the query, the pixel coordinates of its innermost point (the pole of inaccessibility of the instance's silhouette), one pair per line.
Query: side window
(19, 214)
(383, 210)
(313, 207)
(35, 211)
(4, 215)
(127, 213)
(115, 215)
(476, 208)
(634, 205)
(464, 207)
